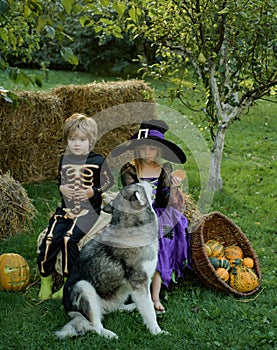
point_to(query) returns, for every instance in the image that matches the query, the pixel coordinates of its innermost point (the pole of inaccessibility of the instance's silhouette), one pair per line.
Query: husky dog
(117, 264)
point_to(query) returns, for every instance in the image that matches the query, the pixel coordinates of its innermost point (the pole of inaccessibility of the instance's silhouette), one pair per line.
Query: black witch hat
(152, 132)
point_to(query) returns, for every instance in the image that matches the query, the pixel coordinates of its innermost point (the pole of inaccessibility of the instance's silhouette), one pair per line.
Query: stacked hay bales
(15, 206)
(31, 135)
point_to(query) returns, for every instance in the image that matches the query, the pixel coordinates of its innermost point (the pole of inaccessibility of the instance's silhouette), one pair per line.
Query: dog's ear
(138, 200)
(108, 208)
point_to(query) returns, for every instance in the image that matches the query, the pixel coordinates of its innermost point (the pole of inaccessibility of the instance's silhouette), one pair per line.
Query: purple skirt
(174, 243)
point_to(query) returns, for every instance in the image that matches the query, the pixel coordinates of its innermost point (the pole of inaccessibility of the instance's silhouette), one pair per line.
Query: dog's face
(131, 199)
(133, 222)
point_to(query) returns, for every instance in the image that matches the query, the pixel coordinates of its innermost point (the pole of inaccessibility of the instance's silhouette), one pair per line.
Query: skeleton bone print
(79, 177)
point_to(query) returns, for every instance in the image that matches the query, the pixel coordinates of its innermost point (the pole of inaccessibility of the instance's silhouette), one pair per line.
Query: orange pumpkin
(223, 274)
(233, 252)
(243, 279)
(207, 250)
(216, 247)
(14, 272)
(248, 262)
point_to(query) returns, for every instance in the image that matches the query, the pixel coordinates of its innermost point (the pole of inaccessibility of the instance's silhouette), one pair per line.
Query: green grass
(197, 317)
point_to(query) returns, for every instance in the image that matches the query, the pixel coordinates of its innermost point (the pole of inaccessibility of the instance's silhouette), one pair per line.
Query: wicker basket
(217, 226)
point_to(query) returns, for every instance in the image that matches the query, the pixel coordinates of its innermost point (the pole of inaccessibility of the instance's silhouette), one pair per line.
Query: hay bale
(95, 97)
(31, 136)
(15, 206)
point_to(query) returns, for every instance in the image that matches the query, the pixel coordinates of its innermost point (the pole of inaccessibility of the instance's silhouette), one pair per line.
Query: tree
(229, 46)
(21, 24)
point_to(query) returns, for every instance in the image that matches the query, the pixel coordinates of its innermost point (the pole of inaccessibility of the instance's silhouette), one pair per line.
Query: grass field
(197, 317)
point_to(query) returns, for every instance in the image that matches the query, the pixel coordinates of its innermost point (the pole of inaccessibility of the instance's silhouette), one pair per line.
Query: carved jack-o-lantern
(14, 272)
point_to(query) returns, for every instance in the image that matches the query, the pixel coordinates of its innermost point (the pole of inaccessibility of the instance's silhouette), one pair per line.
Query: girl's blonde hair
(80, 122)
(137, 161)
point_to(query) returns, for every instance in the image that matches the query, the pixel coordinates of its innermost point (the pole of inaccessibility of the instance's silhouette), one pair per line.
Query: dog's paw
(108, 334)
(157, 330)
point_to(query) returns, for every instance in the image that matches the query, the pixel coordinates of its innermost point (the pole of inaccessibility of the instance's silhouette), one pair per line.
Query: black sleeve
(163, 188)
(128, 174)
(106, 178)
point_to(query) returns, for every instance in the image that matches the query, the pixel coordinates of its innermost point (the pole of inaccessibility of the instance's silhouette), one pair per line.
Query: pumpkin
(14, 272)
(223, 262)
(216, 247)
(223, 274)
(243, 279)
(248, 262)
(207, 250)
(233, 252)
(214, 261)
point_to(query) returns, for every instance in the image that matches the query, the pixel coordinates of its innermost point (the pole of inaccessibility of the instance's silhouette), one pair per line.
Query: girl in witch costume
(150, 147)
(80, 171)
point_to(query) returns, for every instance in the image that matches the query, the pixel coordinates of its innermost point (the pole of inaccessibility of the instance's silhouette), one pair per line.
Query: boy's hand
(84, 194)
(67, 191)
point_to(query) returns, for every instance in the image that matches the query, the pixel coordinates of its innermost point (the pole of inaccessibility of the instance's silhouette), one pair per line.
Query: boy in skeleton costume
(82, 178)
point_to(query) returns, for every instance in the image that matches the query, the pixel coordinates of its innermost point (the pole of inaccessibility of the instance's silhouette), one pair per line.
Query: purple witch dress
(174, 239)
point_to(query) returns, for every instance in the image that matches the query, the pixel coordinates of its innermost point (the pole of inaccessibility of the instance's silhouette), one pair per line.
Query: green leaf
(50, 31)
(3, 34)
(133, 14)
(27, 11)
(69, 56)
(105, 2)
(4, 5)
(202, 58)
(67, 4)
(85, 21)
(38, 81)
(119, 7)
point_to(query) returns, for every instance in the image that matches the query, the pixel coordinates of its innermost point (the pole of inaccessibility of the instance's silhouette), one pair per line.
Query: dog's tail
(78, 325)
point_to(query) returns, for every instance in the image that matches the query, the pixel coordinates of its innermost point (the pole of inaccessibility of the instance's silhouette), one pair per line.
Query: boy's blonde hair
(80, 122)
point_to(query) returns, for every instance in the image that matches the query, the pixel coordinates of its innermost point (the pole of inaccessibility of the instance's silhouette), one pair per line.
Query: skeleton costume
(74, 218)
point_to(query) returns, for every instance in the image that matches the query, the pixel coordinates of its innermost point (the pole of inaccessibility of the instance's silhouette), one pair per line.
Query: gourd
(216, 247)
(219, 262)
(14, 272)
(214, 261)
(233, 252)
(248, 262)
(235, 262)
(223, 262)
(243, 279)
(223, 274)
(207, 250)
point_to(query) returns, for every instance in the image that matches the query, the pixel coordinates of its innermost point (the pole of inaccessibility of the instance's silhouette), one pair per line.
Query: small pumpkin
(14, 272)
(248, 262)
(223, 274)
(223, 262)
(233, 252)
(207, 250)
(243, 279)
(214, 261)
(216, 247)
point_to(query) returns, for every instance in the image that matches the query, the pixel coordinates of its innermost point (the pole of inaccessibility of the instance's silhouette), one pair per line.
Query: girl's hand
(67, 191)
(176, 181)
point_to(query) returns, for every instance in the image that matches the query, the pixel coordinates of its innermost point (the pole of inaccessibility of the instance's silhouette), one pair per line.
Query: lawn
(197, 317)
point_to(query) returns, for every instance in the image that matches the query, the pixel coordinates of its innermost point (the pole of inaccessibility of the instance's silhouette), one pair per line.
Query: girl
(149, 148)
(79, 184)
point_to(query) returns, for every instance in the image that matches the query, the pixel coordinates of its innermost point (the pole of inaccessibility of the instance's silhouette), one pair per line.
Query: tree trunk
(215, 181)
